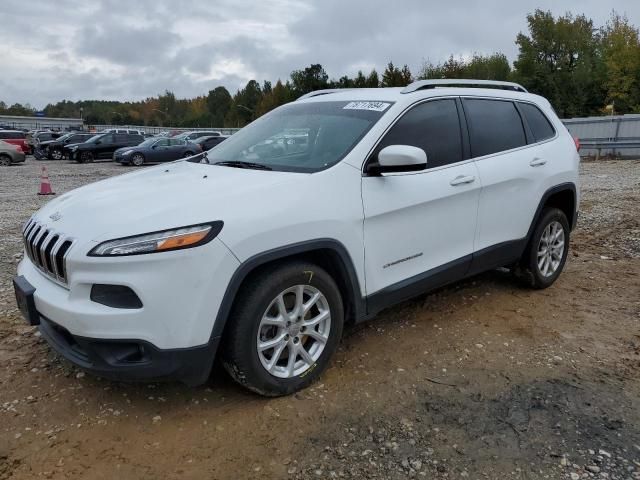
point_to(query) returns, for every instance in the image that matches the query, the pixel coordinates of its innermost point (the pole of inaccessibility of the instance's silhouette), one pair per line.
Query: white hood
(162, 197)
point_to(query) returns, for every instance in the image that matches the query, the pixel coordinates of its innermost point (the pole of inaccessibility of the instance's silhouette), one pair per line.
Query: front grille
(47, 250)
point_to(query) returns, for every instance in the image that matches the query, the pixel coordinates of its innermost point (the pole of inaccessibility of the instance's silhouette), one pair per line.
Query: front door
(419, 227)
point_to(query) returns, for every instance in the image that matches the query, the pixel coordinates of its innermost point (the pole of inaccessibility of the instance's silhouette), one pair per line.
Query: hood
(46, 143)
(69, 145)
(158, 198)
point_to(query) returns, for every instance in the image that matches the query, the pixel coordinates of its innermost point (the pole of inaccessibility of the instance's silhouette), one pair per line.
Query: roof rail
(323, 92)
(451, 82)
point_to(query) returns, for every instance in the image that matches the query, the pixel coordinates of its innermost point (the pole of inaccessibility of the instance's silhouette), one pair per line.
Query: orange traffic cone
(45, 186)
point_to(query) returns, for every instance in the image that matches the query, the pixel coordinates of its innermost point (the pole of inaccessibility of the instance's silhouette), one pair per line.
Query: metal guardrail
(613, 136)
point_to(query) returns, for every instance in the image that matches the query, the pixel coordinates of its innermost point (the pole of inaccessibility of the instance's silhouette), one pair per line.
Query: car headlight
(163, 241)
(127, 152)
(73, 149)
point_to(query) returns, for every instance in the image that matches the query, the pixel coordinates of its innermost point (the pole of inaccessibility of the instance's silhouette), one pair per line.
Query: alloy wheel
(551, 248)
(293, 331)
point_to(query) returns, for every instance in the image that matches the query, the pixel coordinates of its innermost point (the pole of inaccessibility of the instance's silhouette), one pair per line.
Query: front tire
(85, 157)
(137, 160)
(56, 154)
(546, 252)
(284, 328)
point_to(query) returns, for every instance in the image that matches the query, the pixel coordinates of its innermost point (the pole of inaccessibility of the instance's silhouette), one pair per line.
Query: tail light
(576, 140)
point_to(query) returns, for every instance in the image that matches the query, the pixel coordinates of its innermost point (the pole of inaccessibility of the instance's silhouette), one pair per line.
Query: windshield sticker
(373, 106)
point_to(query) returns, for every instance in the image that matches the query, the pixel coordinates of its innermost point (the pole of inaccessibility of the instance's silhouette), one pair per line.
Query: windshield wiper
(241, 164)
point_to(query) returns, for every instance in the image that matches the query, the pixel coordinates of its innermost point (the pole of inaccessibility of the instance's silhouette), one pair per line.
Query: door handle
(462, 179)
(537, 162)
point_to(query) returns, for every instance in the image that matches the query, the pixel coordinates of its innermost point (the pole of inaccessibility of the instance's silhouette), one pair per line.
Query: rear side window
(540, 126)
(494, 126)
(433, 126)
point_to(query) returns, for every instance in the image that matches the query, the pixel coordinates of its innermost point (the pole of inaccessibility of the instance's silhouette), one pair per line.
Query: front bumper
(180, 292)
(131, 360)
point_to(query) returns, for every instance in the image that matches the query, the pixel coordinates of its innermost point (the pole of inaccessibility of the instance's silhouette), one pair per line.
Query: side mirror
(98, 142)
(398, 158)
(154, 146)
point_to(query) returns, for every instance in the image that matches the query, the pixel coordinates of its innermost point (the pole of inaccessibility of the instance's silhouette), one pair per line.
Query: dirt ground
(482, 379)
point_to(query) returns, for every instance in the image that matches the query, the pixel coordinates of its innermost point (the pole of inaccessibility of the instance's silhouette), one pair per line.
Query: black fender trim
(354, 295)
(569, 186)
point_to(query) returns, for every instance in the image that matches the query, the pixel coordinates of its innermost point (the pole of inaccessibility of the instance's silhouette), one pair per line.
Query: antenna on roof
(451, 82)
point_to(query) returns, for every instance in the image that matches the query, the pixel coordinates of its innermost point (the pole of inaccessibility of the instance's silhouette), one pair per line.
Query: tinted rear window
(537, 121)
(433, 126)
(494, 126)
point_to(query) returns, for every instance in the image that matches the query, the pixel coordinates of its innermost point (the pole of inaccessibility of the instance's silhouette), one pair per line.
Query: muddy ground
(482, 379)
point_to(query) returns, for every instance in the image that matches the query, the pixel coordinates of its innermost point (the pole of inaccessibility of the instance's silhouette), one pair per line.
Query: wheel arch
(326, 253)
(561, 196)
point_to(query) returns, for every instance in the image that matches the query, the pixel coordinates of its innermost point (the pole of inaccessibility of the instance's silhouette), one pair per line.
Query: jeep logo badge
(55, 216)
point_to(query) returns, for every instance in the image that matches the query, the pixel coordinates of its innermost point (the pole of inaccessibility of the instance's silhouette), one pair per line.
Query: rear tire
(187, 155)
(546, 252)
(56, 154)
(5, 160)
(298, 308)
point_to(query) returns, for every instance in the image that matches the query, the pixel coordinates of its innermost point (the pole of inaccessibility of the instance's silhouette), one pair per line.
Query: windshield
(64, 137)
(95, 138)
(148, 142)
(301, 137)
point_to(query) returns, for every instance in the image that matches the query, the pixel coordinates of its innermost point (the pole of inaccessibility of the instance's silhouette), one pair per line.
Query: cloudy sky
(128, 50)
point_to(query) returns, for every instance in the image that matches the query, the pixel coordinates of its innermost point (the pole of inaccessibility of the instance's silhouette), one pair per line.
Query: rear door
(513, 172)
(419, 227)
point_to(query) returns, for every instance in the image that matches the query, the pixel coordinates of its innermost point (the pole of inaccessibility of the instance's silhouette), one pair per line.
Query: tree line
(582, 70)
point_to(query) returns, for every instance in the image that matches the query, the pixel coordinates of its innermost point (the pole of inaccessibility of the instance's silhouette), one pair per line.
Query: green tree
(309, 79)
(560, 60)
(218, 104)
(621, 54)
(395, 77)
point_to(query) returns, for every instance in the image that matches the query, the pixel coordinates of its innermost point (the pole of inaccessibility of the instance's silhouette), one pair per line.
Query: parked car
(197, 134)
(10, 153)
(208, 142)
(102, 146)
(54, 149)
(154, 150)
(15, 137)
(260, 252)
(40, 137)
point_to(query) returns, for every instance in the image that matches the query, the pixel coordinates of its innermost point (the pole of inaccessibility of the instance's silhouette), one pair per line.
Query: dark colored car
(102, 146)
(36, 139)
(157, 149)
(54, 149)
(208, 142)
(15, 137)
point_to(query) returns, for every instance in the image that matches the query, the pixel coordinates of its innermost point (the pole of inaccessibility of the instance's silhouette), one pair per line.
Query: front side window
(163, 142)
(433, 126)
(494, 126)
(301, 137)
(538, 123)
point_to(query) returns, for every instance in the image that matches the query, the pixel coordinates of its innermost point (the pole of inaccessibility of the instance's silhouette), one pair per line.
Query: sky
(131, 50)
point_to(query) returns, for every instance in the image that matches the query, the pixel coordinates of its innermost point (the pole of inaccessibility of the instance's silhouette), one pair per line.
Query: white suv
(320, 213)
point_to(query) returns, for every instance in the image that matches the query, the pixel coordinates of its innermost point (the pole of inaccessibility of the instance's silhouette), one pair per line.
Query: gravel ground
(483, 379)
